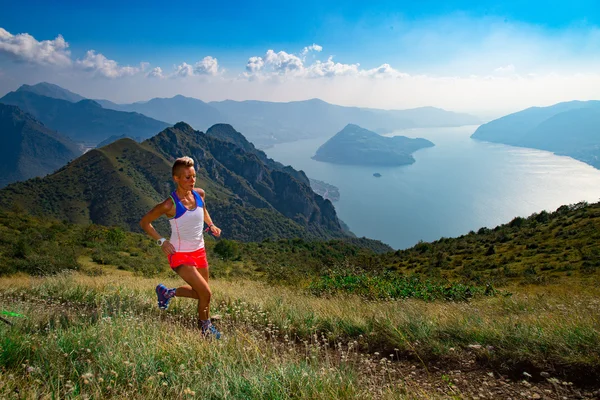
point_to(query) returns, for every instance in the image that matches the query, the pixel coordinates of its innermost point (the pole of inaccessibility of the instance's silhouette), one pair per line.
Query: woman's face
(186, 178)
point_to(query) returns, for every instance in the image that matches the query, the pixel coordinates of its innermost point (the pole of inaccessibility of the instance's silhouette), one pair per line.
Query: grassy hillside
(335, 300)
(104, 337)
(543, 249)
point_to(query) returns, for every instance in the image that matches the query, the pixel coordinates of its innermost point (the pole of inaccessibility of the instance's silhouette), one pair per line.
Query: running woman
(187, 214)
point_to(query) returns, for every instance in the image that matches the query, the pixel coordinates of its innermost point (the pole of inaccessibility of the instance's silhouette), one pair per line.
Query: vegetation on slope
(553, 331)
(119, 183)
(540, 249)
(335, 289)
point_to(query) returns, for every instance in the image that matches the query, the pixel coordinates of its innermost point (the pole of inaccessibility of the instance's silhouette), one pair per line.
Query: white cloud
(457, 62)
(24, 47)
(287, 65)
(208, 66)
(283, 63)
(313, 47)
(329, 69)
(384, 71)
(98, 64)
(156, 72)
(254, 65)
(184, 70)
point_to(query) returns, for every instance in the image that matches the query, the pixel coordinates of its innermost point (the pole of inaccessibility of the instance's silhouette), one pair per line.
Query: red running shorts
(195, 258)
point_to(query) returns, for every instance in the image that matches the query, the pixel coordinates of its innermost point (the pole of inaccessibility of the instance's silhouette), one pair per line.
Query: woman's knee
(203, 292)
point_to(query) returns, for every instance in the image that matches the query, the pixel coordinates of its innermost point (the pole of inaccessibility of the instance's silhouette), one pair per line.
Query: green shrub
(393, 286)
(227, 249)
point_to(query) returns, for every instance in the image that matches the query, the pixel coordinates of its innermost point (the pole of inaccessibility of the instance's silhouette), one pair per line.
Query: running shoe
(164, 296)
(211, 332)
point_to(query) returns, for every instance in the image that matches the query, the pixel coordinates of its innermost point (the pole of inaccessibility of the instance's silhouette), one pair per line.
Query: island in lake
(354, 145)
(325, 190)
(571, 129)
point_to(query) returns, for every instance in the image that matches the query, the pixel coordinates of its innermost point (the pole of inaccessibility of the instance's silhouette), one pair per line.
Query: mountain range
(569, 128)
(84, 121)
(267, 123)
(358, 146)
(30, 149)
(248, 195)
(263, 123)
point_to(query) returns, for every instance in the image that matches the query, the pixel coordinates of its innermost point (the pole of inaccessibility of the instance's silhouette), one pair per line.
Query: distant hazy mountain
(29, 149)
(267, 123)
(51, 90)
(85, 121)
(195, 112)
(109, 105)
(571, 128)
(117, 184)
(358, 146)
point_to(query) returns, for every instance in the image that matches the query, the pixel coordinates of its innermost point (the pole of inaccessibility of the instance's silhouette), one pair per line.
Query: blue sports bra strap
(199, 202)
(179, 208)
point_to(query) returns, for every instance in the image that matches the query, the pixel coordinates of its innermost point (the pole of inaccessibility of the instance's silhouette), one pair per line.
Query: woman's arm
(155, 213)
(207, 219)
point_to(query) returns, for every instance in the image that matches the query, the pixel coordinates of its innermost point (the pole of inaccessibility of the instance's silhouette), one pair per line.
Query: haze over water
(459, 185)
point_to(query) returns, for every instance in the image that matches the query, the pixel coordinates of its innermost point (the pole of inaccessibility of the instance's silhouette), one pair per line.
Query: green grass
(552, 330)
(392, 286)
(63, 354)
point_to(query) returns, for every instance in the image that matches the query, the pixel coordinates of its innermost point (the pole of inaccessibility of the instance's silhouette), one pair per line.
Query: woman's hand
(216, 231)
(168, 248)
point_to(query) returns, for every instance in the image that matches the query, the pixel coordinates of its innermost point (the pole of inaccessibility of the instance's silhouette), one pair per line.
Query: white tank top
(186, 225)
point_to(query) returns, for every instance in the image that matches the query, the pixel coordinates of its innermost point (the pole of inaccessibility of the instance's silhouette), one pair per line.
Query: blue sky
(437, 39)
(158, 31)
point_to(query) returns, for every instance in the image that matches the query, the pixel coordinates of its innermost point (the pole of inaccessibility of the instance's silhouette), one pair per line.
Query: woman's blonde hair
(180, 163)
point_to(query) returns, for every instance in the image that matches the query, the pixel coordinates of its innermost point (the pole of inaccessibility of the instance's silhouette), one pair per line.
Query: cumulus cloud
(98, 64)
(254, 65)
(208, 66)
(184, 70)
(283, 63)
(156, 72)
(25, 48)
(288, 65)
(330, 68)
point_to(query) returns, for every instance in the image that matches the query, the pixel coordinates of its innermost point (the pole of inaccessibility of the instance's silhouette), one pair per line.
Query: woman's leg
(197, 284)
(187, 291)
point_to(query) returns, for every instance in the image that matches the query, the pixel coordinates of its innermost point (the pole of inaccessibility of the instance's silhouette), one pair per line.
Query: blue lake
(459, 185)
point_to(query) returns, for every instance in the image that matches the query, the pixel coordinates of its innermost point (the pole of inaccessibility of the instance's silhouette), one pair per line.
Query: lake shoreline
(457, 186)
